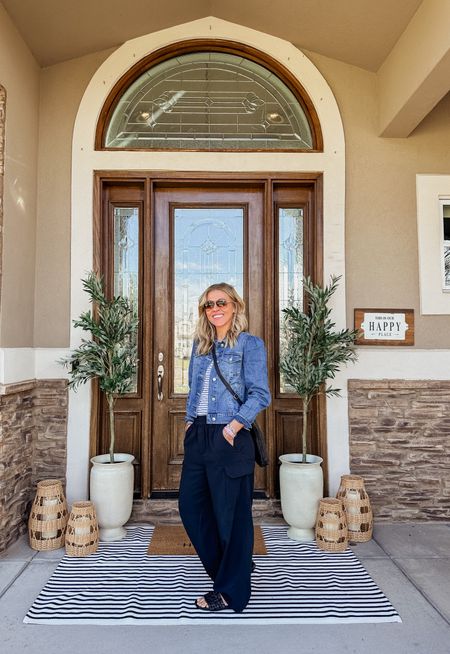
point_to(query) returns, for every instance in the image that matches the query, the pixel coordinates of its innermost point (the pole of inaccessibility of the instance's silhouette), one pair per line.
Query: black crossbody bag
(261, 457)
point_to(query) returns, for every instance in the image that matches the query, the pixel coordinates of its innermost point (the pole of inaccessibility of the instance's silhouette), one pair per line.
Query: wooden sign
(385, 326)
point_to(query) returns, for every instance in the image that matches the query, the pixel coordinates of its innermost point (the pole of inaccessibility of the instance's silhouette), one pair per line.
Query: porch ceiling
(359, 32)
(407, 43)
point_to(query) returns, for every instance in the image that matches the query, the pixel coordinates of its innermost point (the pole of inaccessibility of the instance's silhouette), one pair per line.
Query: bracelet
(230, 430)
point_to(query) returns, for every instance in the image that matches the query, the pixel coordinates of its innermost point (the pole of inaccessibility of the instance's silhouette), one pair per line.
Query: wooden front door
(162, 241)
(203, 235)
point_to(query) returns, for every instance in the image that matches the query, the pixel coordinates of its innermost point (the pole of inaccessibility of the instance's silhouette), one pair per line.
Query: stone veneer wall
(400, 444)
(33, 437)
(50, 437)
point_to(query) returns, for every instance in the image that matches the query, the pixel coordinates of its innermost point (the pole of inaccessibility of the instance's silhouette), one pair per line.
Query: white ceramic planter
(112, 493)
(301, 488)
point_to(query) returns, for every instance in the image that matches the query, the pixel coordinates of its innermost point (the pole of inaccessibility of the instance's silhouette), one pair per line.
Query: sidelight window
(290, 269)
(126, 257)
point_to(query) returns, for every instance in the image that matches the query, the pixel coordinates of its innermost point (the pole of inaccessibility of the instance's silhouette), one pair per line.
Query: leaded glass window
(209, 101)
(126, 257)
(290, 270)
(445, 208)
(209, 247)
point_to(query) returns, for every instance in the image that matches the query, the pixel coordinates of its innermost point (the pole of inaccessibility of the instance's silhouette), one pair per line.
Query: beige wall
(381, 230)
(19, 74)
(62, 87)
(381, 238)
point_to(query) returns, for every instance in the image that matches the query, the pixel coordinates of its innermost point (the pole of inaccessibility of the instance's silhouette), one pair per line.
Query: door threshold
(173, 495)
(164, 510)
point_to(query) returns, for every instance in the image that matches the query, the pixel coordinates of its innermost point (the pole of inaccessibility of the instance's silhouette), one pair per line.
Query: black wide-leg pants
(215, 502)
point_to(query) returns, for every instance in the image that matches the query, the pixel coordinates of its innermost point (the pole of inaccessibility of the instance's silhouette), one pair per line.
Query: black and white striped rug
(295, 583)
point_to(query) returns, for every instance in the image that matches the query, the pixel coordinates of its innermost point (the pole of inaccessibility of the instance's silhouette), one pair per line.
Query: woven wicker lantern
(82, 530)
(331, 527)
(48, 516)
(357, 508)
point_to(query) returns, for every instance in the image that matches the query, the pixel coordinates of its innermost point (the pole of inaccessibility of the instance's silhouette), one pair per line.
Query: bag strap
(222, 378)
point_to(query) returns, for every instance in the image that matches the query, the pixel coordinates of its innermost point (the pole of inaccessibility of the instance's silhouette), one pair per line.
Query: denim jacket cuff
(240, 418)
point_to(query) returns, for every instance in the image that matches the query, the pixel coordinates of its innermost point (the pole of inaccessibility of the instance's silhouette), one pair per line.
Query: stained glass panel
(209, 101)
(208, 249)
(126, 256)
(290, 269)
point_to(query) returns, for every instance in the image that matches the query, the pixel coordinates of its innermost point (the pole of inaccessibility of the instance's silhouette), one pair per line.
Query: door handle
(160, 375)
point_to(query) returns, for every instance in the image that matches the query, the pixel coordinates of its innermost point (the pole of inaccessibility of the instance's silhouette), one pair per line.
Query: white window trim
(431, 191)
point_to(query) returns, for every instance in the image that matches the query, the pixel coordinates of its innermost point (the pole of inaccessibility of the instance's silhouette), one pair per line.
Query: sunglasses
(210, 304)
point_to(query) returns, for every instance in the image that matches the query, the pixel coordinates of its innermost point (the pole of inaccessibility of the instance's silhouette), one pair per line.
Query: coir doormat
(172, 540)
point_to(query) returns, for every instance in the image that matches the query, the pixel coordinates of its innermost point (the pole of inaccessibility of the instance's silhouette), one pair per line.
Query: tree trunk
(112, 433)
(305, 428)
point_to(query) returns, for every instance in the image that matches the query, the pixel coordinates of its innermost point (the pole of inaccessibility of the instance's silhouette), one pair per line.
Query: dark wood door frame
(270, 182)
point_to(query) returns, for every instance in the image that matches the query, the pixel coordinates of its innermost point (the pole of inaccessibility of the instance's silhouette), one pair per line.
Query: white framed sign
(385, 326)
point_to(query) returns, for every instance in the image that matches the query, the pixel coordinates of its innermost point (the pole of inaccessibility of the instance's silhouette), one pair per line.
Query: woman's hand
(188, 424)
(230, 431)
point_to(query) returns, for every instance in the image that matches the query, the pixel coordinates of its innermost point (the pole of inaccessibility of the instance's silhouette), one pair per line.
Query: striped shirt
(202, 409)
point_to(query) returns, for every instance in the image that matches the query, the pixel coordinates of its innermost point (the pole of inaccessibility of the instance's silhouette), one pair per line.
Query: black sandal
(214, 600)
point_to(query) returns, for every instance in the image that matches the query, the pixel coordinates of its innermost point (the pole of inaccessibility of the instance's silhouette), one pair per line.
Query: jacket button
(214, 379)
(213, 418)
(213, 398)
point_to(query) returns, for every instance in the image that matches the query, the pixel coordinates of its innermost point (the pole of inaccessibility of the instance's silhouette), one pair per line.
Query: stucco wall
(381, 231)
(19, 75)
(381, 236)
(62, 87)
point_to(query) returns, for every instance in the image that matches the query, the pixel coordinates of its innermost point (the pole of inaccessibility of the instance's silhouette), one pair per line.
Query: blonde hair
(205, 333)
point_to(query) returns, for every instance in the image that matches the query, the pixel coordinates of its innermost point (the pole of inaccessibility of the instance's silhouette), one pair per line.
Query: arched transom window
(209, 100)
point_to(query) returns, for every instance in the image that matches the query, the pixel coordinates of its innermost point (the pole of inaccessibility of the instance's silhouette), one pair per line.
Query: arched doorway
(164, 184)
(161, 241)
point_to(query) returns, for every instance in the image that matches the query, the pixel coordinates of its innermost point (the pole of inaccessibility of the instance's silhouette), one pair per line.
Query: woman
(216, 487)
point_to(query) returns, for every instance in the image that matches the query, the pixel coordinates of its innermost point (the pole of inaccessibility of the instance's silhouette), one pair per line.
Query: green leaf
(314, 351)
(110, 355)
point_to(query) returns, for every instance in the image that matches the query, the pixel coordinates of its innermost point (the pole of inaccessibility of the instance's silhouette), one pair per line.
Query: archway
(329, 163)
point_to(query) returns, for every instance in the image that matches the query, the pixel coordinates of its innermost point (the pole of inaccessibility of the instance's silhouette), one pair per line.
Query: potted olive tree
(314, 351)
(110, 356)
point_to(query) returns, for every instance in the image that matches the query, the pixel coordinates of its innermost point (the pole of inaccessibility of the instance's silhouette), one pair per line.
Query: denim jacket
(244, 366)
